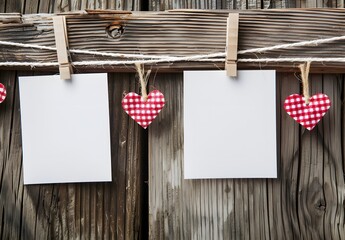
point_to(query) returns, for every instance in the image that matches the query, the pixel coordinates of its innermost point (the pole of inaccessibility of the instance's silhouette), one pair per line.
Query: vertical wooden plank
(240, 4)
(266, 4)
(207, 209)
(25, 224)
(99, 206)
(292, 206)
(11, 191)
(71, 218)
(282, 4)
(61, 6)
(13, 6)
(2, 6)
(333, 173)
(44, 6)
(282, 192)
(321, 3)
(111, 4)
(76, 5)
(241, 209)
(31, 6)
(311, 178)
(127, 146)
(164, 186)
(253, 4)
(83, 4)
(277, 4)
(309, 4)
(90, 4)
(331, 3)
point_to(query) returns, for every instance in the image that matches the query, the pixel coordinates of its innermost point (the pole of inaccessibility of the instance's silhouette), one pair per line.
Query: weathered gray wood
(72, 211)
(31, 6)
(184, 33)
(169, 209)
(305, 202)
(161, 5)
(11, 192)
(69, 211)
(332, 195)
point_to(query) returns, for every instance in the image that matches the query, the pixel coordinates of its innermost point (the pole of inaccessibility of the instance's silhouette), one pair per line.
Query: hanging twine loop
(143, 78)
(305, 67)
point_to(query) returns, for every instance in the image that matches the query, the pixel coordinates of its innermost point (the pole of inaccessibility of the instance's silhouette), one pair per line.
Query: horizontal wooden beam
(178, 33)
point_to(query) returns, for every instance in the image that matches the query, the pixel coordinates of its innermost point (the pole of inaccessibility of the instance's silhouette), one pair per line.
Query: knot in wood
(321, 205)
(115, 29)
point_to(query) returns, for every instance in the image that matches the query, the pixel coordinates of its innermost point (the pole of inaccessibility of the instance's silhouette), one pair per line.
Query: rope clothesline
(151, 59)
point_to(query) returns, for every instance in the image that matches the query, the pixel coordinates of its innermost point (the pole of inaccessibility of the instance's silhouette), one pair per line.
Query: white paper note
(229, 125)
(65, 129)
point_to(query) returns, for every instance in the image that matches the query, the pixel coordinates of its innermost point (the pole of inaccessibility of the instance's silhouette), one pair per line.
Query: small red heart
(2, 93)
(307, 115)
(143, 112)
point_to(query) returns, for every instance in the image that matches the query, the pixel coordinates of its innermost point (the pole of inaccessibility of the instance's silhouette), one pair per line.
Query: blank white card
(65, 129)
(229, 125)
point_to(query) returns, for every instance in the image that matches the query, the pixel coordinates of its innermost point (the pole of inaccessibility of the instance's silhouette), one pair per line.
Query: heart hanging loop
(145, 108)
(307, 110)
(305, 67)
(143, 78)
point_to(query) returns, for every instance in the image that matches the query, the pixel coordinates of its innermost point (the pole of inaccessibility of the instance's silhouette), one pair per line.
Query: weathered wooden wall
(72, 211)
(160, 5)
(179, 33)
(305, 202)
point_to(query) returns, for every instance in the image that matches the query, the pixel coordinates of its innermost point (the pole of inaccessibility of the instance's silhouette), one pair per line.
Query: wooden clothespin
(232, 44)
(61, 42)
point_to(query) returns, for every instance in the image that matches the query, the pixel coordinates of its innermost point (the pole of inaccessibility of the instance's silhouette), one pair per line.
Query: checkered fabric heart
(307, 115)
(2, 93)
(143, 112)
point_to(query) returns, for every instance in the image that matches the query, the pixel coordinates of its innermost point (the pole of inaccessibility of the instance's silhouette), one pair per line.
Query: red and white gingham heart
(307, 115)
(143, 112)
(2, 93)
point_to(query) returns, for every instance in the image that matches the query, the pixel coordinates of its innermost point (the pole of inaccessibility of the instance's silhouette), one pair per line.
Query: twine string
(292, 45)
(305, 67)
(143, 79)
(113, 63)
(151, 59)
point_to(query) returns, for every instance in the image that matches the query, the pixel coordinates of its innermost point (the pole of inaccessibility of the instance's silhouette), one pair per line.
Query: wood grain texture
(305, 202)
(72, 211)
(161, 5)
(184, 33)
